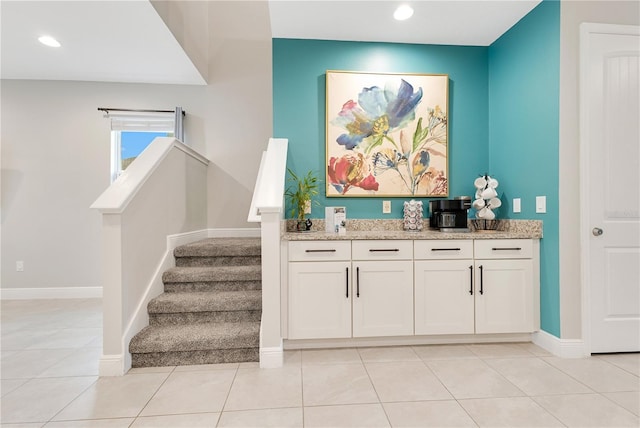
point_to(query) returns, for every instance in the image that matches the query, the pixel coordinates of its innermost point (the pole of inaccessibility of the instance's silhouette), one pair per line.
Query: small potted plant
(299, 194)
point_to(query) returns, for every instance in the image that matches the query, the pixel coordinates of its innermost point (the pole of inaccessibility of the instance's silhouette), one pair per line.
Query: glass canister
(412, 220)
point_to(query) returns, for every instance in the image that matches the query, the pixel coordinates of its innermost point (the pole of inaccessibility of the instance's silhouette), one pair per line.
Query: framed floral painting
(386, 134)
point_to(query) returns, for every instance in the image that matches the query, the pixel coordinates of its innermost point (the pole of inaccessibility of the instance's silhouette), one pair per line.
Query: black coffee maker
(450, 214)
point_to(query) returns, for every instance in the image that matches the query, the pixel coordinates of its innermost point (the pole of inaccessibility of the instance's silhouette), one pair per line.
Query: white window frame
(138, 121)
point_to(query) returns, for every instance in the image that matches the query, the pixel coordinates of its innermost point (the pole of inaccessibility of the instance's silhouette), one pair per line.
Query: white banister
(124, 189)
(267, 206)
(162, 193)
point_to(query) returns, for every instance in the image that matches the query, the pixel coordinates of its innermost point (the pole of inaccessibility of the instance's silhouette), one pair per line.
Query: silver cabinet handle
(319, 251)
(597, 231)
(378, 250)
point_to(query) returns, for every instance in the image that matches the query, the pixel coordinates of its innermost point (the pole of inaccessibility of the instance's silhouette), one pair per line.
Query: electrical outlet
(386, 207)
(307, 207)
(516, 205)
(541, 204)
(19, 266)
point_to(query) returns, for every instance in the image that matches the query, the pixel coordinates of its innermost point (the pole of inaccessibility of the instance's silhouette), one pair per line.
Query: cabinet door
(504, 297)
(319, 300)
(444, 292)
(382, 298)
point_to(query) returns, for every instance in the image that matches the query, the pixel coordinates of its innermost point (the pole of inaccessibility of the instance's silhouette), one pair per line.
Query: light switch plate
(386, 207)
(541, 204)
(516, 205)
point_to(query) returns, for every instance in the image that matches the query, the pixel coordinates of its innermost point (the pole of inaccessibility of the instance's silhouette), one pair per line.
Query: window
(127, 145)
(133, 130)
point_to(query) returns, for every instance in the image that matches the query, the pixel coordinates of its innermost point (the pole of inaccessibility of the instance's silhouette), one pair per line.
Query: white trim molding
(253, 232)
(111, 365)
(564, 348)
(271, 358)
(140, 318)
(50, 293)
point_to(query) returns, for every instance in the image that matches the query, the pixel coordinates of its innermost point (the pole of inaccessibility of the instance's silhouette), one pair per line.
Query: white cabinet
(383, 288)
(319, 304)
(504, 300)
(444, 301)
(455, 294)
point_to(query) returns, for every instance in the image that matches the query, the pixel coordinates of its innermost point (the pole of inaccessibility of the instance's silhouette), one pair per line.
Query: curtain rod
(107, 110)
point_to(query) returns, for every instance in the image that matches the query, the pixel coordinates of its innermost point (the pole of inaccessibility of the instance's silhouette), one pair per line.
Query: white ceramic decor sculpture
(486, 197)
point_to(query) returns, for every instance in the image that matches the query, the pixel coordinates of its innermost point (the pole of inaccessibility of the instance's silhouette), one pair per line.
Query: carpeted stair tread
(223, 247)
(212, 273)
(211, 309)
(196, 337)
(246, 300)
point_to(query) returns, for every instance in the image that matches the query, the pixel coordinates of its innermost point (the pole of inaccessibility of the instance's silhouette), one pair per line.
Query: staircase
(210, 310)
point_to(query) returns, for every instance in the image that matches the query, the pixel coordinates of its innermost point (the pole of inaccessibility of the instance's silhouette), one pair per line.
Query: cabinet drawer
(443, 249)
(319, 250)
(503, 249)
(382, 250)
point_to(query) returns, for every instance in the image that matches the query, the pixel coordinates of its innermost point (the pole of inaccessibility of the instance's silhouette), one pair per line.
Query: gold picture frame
(386, 134)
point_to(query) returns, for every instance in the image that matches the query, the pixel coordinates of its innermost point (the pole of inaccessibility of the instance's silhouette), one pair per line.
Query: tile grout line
(154, 394)
(386, 415)
(222, 409)
(447, 389)
(302, 406)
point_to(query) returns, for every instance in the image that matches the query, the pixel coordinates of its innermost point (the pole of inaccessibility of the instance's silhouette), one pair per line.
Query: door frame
(586, 29)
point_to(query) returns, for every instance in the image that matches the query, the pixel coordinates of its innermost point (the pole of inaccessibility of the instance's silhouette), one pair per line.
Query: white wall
(240, 105)
(169, 200)
(572, 14)
(55, 149)
(187, 21)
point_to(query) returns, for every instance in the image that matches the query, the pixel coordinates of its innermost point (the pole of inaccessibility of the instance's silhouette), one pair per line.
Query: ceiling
(127, 41)
(440, 22)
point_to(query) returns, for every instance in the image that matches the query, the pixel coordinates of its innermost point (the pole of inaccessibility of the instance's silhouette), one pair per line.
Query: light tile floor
(49, 367)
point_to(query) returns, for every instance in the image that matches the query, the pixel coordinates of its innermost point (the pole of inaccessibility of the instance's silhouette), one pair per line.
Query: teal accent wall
(503, 119)
(299, 68)
(524, 73)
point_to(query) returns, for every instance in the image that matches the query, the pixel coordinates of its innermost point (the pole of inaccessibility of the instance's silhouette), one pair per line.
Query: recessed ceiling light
(403, 12)
(49, 41)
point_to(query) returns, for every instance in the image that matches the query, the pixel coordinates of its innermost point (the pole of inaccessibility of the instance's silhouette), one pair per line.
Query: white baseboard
(235, 233)
(271, 358)
(140, 318)
(111, 365)
(178, 239)
(406, 341)
(50, 293)
(564, 348)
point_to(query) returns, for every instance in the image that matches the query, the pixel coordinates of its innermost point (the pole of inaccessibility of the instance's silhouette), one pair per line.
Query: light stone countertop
(392, 229)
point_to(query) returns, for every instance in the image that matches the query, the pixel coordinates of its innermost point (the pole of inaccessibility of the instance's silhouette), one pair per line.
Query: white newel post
(112, 361)
(267, 208)
(271, 352)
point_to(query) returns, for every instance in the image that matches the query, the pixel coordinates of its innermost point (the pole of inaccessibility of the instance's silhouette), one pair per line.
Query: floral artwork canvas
(386, 134)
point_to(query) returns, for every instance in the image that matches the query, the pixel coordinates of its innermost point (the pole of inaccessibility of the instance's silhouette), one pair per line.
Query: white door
(610, 147)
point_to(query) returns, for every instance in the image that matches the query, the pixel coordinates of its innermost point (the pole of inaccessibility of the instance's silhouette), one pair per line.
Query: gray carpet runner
(210, 310)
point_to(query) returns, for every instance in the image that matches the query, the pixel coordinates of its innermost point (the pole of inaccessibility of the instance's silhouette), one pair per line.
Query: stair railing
(159, 194)
(267, 207)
